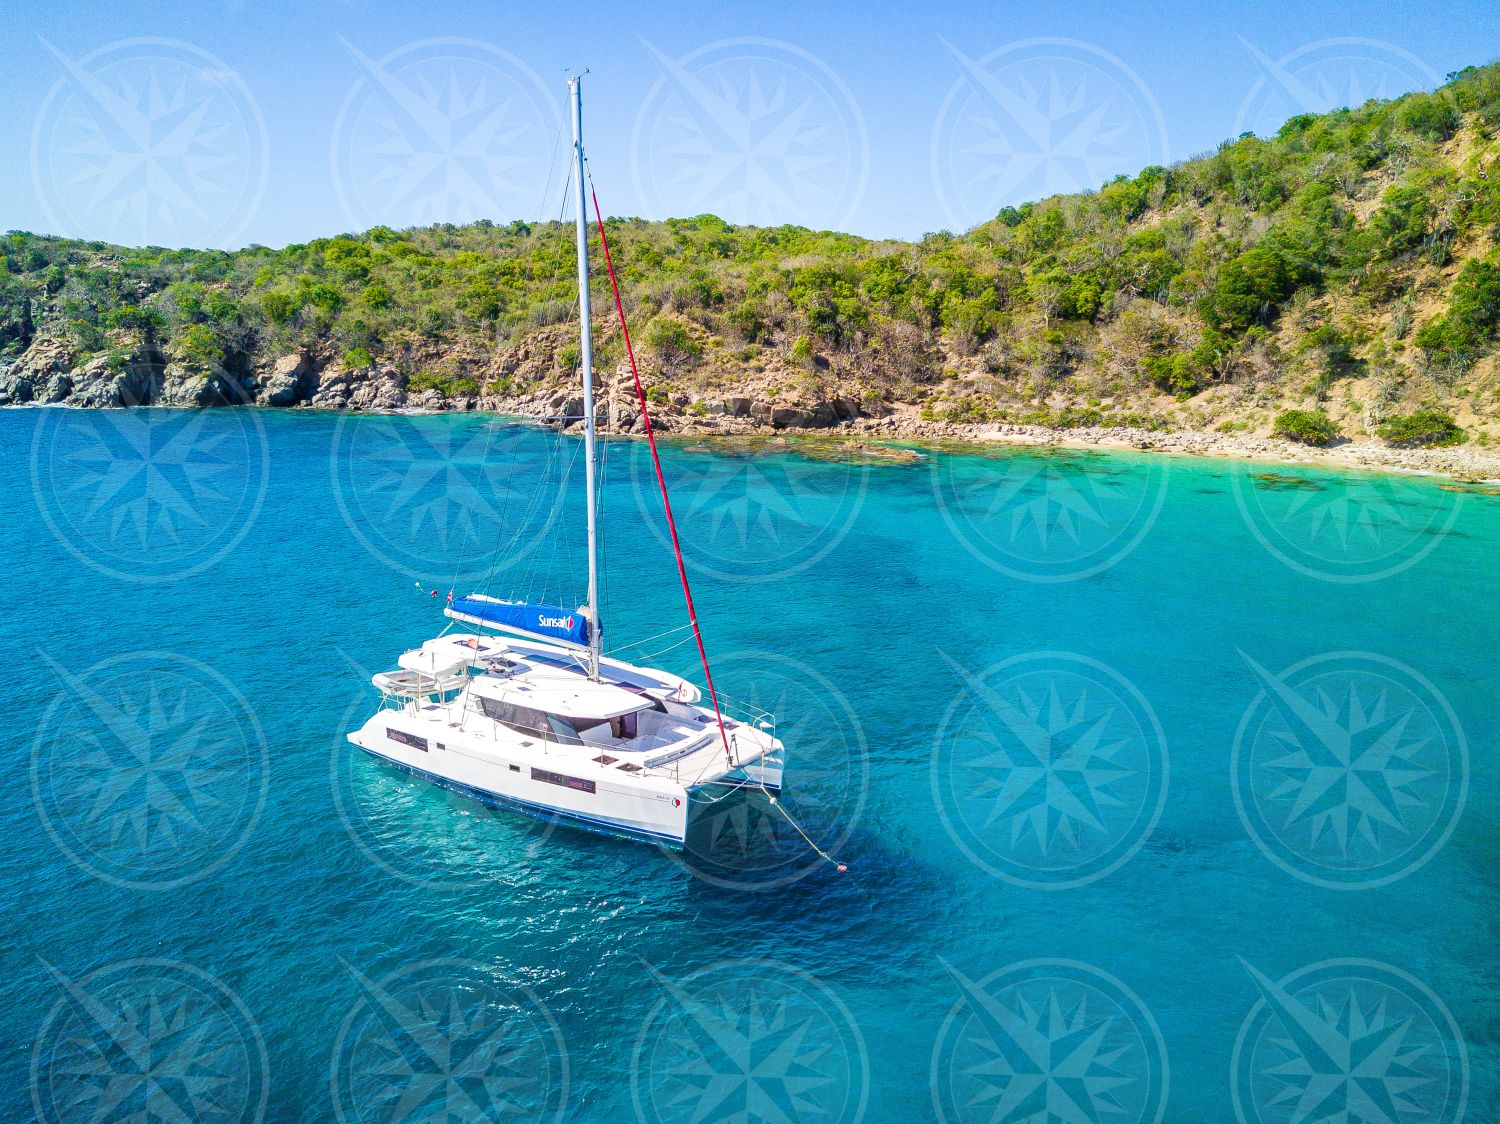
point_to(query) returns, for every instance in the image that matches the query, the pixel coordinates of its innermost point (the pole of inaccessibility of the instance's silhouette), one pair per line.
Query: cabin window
(522, 719)
(525, 720)
(624, 727)
(562, 729)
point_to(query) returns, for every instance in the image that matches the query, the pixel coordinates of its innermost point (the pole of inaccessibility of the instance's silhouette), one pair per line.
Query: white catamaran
(516, 704)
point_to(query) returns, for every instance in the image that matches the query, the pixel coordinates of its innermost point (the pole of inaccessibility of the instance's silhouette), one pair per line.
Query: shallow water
(1166, 786)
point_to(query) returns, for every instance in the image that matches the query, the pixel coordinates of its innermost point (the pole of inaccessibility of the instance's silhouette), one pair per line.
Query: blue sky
(227, 123)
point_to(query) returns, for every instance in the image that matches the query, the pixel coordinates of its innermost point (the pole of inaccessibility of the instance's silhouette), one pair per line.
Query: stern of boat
(763, 773)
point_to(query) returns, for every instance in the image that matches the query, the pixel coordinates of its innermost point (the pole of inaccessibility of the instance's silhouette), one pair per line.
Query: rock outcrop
(291, 381)
(363, 388)
(52, 371)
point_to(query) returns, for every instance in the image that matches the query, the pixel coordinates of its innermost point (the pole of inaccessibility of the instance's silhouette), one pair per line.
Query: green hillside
(1348, 267)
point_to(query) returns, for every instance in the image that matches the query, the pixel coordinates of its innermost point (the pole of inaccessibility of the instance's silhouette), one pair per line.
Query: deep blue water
(1167, 788)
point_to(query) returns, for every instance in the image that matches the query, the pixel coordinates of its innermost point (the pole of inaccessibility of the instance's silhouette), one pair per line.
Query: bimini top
(568, 626)
(561, 693)
(446, 654)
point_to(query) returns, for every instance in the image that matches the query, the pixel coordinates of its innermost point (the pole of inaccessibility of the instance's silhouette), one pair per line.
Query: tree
(1248, 291)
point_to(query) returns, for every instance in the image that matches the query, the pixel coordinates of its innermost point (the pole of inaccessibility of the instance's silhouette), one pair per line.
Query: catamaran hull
(658, 813)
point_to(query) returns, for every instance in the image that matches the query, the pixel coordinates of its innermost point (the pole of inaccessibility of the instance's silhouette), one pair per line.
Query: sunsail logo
(556, 622)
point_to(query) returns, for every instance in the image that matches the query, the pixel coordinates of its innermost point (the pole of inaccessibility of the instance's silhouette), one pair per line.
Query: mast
(585, 341)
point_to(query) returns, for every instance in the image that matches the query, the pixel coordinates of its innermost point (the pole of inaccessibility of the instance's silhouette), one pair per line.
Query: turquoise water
(1080, 725)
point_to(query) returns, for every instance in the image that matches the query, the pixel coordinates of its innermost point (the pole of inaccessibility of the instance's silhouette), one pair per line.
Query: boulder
(622, 417)
(789, 417)
(58, 389)
(293, 379)
(846, 409)
(190, 385)
(380, 389)
(333, 390)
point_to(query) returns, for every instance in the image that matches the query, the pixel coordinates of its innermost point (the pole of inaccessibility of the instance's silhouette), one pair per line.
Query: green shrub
(1402, 223)
(279, 307)
(802, 350)
(745, 318)
(1433, 116)
(1462, 334)
(357, 357)
(1423, 429)
(1308, 427)
(198, 345)
(449, 386)
(1174, 374)
(672, 341)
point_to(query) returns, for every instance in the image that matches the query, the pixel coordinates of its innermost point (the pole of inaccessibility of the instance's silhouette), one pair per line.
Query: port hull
(563, 791)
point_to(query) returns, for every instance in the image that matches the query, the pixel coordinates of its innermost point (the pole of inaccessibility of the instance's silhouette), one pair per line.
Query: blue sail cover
(550, 621)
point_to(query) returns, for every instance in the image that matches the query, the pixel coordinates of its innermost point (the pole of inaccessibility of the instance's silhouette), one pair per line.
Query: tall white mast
(585, 340)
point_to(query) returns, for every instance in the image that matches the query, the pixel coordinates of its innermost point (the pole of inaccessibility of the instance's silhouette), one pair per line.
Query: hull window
(404, 738)
(576, 783)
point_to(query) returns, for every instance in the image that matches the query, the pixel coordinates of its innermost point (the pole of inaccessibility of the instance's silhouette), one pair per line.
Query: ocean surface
(1166, 787)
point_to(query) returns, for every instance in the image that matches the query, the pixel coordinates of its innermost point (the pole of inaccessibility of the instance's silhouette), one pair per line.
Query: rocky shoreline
(1465, 463)
(46, 375)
